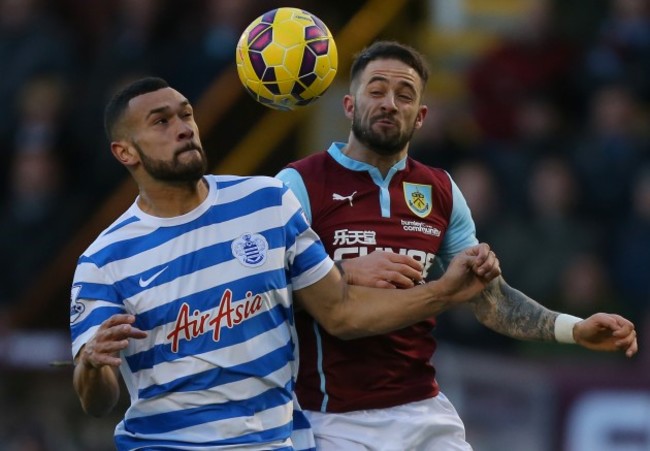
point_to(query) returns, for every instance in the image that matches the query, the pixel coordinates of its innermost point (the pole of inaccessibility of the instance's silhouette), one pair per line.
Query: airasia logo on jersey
(192, 324)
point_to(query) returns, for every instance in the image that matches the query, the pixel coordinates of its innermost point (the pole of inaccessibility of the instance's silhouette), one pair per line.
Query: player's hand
(606, 332)
(487, 264)
(112, 336)
(470, 272)
(382, 269)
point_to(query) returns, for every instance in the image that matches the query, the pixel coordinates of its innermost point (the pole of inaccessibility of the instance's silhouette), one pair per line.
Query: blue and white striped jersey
(213, 290)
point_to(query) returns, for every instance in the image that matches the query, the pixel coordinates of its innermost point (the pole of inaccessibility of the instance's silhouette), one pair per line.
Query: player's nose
(388, 103)
(185, 131)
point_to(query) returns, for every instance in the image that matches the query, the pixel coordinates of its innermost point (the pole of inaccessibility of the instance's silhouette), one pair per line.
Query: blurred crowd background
(538, 108)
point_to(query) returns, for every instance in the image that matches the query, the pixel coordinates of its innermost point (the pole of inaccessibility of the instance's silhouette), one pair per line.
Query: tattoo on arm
(510, 312)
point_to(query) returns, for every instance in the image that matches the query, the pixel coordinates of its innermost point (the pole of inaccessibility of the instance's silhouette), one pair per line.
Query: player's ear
(422, 113)
(124, 153)
(348, 106)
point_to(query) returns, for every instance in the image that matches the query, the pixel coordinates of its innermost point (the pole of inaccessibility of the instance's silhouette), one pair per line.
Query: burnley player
(366, 195)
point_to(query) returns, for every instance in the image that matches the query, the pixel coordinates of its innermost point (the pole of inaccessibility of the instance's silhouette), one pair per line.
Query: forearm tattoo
(510, 312)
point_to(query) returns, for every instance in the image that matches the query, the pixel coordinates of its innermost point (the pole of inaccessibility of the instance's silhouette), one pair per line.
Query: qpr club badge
(418, 198)
(77, 308)
(250, 249)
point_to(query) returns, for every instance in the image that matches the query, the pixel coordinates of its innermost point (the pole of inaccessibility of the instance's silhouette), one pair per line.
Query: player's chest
(402, 217)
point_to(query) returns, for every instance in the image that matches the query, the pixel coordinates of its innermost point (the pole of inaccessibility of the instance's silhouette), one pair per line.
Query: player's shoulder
(240, 182)
(430, 171)
(311, 161)
(122, 228)
(416, 164)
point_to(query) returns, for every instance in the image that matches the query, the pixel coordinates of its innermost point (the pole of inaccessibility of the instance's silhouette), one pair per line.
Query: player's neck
(357, 151)
(165, 200)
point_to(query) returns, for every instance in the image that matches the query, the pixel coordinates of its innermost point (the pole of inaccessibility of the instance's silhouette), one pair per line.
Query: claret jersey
(415, 210)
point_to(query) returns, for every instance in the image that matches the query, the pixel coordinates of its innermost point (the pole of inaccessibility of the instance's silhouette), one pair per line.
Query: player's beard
(174, 170)
(382, 143)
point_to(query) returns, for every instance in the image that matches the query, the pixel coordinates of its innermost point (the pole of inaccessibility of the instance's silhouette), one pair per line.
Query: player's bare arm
(510, 312)
(349, 311)
(96, 378)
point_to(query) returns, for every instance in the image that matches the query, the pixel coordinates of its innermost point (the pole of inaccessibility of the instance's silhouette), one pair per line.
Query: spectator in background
(207, 40)
(130, 48)
(32, 42)
(478, 184)
(34, 218)
(447, 139)
(610, 148)
(132, 42)
(481, 190)
(43, 120)
(539, 130)
(585, 286)
(631, 264)
(621, 51)
(533, 59)
(551, 230)
(38, 211)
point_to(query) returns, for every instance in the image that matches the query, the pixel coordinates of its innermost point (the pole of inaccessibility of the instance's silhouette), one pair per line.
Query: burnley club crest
(418, 198)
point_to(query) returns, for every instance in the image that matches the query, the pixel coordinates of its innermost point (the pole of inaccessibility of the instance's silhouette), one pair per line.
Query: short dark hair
(390, 50)
(120, 100)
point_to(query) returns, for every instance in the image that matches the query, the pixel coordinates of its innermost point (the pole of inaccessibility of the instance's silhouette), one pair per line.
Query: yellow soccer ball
(286, 58)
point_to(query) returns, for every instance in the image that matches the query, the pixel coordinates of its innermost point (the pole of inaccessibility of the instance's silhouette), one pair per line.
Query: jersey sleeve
(461, 233)
(92, 301)
(293, 180)
(307, 259)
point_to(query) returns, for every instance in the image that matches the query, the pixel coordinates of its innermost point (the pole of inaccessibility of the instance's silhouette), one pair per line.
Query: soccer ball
(286, 58)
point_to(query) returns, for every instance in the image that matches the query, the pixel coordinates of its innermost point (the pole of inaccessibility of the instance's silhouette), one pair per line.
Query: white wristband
(564, 328)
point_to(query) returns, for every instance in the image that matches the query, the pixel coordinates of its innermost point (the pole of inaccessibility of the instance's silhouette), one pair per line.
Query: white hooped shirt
(212, 289)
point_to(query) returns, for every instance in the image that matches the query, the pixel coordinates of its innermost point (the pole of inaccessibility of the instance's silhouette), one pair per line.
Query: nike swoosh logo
(146, 282)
